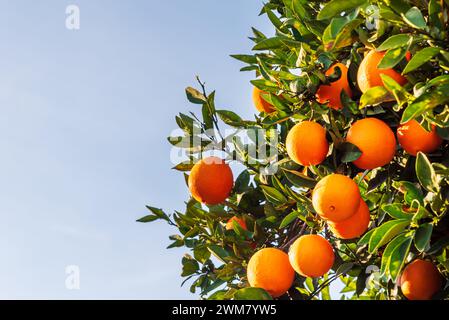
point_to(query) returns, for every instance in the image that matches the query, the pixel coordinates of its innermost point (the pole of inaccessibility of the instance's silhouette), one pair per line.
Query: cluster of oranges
(366, 133)
(336, 198)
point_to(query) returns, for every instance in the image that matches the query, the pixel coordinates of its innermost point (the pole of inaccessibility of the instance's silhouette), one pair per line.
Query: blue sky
(83, 126)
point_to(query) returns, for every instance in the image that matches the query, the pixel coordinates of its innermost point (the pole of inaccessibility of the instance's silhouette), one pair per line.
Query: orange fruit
(376, 141)
(414, 138)
(210, 181)
(330, 93)
(420, 280)
(260, 103)
(336, 197)
(368, 75)
(270, 269)
(408, 56)
(353, 227)
(240, 221)
(307, 144)
(311, 256)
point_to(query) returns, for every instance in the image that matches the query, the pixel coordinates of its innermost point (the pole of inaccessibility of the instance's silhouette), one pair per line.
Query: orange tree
(355, 93)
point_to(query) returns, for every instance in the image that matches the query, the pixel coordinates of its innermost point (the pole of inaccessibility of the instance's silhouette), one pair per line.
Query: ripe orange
(368, 75)
(420, 280)
(353, 227)
(240, 221)
(330, 93)
(414, 138)
(311, 256)
(270, 269)
(306, 143)
(336, 197)
(376, 141)
(260, 103)
(408, 56)
(210, 181)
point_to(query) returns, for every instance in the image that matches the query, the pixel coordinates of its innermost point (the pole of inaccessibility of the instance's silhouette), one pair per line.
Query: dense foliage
(408, 199)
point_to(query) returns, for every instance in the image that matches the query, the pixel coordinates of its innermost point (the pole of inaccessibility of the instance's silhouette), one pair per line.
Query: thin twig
(214, 116)
(323, 285)
(290, 242)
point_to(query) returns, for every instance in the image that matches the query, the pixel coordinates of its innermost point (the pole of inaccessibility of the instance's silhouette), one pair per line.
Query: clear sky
(83, 126)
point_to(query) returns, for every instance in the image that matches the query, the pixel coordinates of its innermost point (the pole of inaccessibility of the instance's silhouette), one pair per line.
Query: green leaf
(264, 85)
(194, 96)
(325, 292)
(415, 18)
(250, 59)
(411, 192)
(385, 233)
(399, 93)
(335, 7)
(397, 258)
(375, 96)
(421, 213)
(392, 57)
(299, 179)
(366, 238)
(186, 123)
(425, 173)
(395, 41)
(157, 212)
(277, 23)
(207, 116)
(178, 241)
(273, 195)
(201, 253)
(148, 218)
(422, 236)
(184, 166)
(427, 101)
(218, 295)
(435, 14)
(230, 118)
(344, 268)
(298, 8)
(361, 282)
(189, 266)
(420, 58)
(338, 32)
(350, 152)
(242, 182)
(395, 211)
(386, 256)
(399, 6)
(220, 253)
(275, 43)
(292, 216)
(252, 294)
